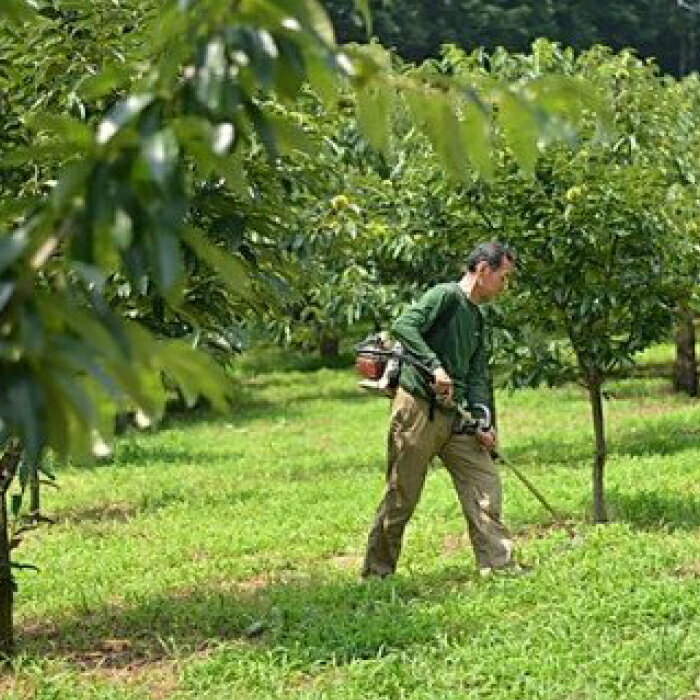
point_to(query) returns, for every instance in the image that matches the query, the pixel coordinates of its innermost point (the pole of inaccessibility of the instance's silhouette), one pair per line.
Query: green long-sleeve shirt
(444, 328)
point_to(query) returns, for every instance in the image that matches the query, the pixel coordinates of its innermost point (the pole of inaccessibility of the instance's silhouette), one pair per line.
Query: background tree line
(658, 29)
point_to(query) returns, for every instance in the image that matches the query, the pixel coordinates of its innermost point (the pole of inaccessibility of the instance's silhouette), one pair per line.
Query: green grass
(218, 558)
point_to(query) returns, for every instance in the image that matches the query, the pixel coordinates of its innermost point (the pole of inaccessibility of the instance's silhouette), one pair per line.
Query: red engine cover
(370, 367)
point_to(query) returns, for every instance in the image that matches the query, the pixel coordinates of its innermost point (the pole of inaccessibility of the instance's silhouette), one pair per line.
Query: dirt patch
(346, 561)
(119, 512)
(254, 584)
(157, 680)
(539, 531)
(642, 409)
(20, 687)
(454, 543)
(152, 680)
(691, 570)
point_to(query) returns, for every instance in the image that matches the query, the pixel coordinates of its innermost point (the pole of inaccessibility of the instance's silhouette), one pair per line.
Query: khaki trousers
(413, 441)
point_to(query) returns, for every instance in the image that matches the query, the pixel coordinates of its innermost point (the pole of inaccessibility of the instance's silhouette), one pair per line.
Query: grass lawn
(218, 559)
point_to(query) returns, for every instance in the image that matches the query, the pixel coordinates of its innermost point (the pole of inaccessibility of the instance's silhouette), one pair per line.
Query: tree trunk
(329, 345)
(685, 369)
(34, 495)
(8, 468)
(601, 451)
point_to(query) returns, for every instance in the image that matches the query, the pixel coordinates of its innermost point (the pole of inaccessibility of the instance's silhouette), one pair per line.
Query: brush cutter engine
(378, 362)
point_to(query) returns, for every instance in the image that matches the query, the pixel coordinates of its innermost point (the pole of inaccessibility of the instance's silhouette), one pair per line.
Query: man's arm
(411, 326)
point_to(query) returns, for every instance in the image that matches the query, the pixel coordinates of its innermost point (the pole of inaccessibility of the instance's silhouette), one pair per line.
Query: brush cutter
(379, 362)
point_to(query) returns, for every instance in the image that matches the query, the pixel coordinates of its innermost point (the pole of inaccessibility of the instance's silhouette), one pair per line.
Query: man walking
(445, 331)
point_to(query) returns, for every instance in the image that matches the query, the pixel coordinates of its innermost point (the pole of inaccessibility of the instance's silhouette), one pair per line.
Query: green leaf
(7, 289)
(63, 128)
(323, 79)
(211, 73)
(445, 132)
(475, 127)
(374, 104)
(16, 504)
(12, 245)
(80, 402)
(435, 114)
(362, 6)
(122, 114)
(71, 182)
(264, 130)
(194, 372)
(232, 167)
(160, 151)
(228, 266)
(17, 10)
(290, 137)
(166, 260)
(521, 128)
(23, 401)
(290, 70)
(314, 16)
(566, 100)
(11, 208)
(52, 150)
(109, 79)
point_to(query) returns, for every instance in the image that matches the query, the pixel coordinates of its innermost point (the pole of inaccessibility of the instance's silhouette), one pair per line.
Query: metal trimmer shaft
(558, 519)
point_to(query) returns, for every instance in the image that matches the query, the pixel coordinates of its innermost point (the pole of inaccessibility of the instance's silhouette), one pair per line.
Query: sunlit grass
(218, 558)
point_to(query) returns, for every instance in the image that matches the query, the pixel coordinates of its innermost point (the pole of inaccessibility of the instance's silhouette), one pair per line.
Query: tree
(603, 256)
(121, 208)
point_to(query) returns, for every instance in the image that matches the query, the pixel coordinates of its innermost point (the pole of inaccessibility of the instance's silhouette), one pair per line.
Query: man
(444, 330)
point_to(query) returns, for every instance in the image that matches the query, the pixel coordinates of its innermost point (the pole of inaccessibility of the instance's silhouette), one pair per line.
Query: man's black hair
(492, 253)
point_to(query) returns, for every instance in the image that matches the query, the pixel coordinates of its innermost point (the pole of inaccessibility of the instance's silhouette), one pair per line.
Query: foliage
(53, 66)
(120, 210)
(604, 256)
(659, 30)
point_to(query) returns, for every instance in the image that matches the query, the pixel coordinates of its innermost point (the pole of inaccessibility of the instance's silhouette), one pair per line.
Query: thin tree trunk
(34, 496)
(8, 468)
(329, 345)
(600, 514)
(685, 369)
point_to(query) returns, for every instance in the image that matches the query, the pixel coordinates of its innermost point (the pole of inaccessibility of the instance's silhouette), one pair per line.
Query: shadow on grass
(314, 621)
(648, 510)
(276, 360)
(148, 504)
(249, 406)
(549, 453)
(661, 435)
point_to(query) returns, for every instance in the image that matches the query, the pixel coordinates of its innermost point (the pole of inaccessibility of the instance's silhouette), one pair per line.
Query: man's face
(493, 282)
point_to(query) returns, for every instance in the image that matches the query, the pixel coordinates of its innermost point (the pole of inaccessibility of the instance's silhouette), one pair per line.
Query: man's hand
(443, 384)
(487, 439)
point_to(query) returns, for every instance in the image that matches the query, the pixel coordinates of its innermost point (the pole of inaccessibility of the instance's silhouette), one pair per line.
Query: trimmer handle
(472, 425)
(485, 421)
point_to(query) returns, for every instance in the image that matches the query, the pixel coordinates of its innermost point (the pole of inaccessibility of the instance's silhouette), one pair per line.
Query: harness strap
(431, 406)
